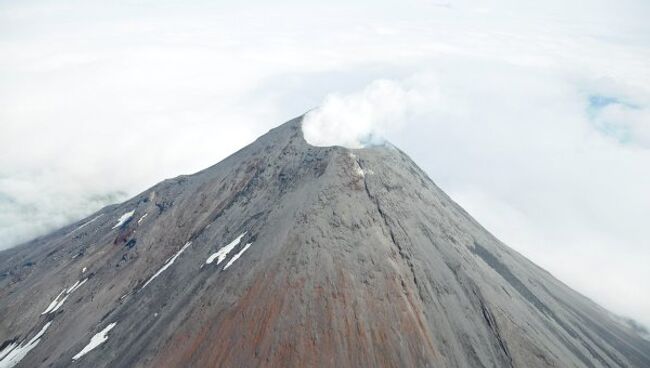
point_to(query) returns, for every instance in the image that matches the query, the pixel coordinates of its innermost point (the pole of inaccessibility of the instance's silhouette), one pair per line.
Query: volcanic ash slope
(289, 255)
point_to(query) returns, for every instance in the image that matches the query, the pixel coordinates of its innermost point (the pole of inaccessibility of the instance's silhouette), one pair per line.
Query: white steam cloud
(366, 117)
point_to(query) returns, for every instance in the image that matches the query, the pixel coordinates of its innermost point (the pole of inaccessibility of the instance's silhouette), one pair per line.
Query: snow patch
(166, 266)
(11, 357)
(76, 286)
(124, 218)
(7, 350)
(56, 303)
(72, 287)
(236, 256)
(86, 223)
(142, 218)
(358, 170)
(59, 304)
(223, 252)
(53, 304)
(95, 341)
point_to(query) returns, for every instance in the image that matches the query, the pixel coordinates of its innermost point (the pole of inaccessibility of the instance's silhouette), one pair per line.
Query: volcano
(290, 255)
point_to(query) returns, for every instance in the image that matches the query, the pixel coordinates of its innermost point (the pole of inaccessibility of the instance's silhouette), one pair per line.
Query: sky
(534, 116)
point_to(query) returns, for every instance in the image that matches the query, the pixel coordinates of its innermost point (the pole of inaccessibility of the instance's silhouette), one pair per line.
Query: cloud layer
(534, 116)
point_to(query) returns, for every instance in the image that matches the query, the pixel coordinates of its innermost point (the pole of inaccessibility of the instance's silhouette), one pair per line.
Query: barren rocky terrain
(289, 255)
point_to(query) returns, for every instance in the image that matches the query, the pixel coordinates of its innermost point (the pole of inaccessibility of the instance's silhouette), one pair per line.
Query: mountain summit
(290, 255)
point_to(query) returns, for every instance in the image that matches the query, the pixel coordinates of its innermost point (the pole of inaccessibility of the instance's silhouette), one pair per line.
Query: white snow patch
(223, 252)
(73, 287)
(359, 171)
(86, 223)
(95, 341)
(56, 303)
(236, 256)
(76, 286)
(124, 218)
(53, 304)
(142, 218)
(15, 355)
(7, 350)
(59, 304)
(169, 263)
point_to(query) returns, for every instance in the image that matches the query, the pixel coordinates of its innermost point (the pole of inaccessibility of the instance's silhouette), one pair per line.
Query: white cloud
(493, 99)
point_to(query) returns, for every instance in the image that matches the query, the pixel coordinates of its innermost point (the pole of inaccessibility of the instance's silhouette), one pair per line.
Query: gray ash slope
(348, 258)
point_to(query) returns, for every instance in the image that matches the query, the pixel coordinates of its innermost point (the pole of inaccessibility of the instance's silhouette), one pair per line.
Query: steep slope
(290, 255)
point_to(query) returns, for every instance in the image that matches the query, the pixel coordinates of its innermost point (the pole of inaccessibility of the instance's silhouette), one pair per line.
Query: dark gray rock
(357, 259)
